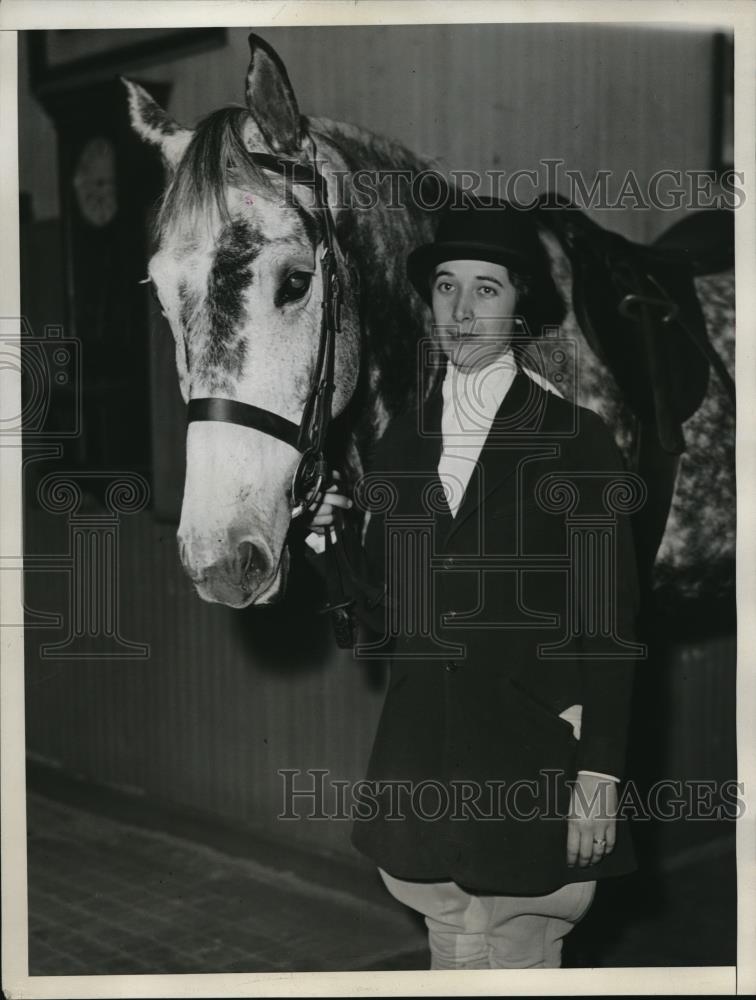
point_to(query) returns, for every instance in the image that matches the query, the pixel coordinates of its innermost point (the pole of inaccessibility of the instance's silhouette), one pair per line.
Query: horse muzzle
(248, 574)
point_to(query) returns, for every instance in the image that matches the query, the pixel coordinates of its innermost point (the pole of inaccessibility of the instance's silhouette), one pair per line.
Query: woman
(502, 737)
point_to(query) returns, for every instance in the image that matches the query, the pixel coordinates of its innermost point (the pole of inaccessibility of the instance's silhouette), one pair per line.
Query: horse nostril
(254, 563)
(246, 555)
(183, 553)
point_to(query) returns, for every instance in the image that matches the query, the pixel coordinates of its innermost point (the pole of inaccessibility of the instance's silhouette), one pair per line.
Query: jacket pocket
(541, 713)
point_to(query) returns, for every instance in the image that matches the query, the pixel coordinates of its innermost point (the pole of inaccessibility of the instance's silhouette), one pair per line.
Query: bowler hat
(479, 229)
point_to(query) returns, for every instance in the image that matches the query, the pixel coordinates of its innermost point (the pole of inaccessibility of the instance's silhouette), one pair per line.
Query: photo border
(29, 14)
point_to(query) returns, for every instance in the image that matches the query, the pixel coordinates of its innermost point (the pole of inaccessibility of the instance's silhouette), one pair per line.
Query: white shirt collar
(474, 397)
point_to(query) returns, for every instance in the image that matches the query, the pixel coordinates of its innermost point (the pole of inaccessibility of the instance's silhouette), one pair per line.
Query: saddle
(638, 309)
(707, 239)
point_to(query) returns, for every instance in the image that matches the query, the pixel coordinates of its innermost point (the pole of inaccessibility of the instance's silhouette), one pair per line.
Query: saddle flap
(638, 309)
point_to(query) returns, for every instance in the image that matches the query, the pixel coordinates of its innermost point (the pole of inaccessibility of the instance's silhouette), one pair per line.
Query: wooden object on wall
(62, 59)
(108, 184)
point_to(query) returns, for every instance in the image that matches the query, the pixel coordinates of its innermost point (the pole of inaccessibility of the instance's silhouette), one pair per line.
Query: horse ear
(271, 100)
(154, 126)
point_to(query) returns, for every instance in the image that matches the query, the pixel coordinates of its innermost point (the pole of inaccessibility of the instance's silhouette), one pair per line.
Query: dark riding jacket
(497, 620)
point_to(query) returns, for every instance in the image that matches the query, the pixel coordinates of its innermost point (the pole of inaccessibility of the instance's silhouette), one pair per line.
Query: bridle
(343, 568)
(309, 436)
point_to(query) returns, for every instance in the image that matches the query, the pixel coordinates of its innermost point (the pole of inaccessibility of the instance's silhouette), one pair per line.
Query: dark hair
(539, 301)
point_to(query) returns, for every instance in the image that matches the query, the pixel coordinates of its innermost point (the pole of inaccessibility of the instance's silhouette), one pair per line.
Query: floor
(108, 897)
(105, 897)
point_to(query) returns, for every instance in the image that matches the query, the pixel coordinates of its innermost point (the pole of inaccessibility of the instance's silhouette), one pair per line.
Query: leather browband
(231, 411)
(293, 170)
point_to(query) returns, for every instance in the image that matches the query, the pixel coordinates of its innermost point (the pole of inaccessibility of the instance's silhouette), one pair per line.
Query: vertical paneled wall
(226, 699)
(222, 703)
(477, 97)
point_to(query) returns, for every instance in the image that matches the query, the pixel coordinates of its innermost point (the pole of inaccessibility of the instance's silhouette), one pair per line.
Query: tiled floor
(106, 897)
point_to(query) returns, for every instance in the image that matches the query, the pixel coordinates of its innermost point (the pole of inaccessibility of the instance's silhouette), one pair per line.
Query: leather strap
(293, 170)
(231, 411)
(658, 468)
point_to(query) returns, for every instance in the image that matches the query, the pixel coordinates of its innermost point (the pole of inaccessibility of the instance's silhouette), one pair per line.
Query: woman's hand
(591, 825)
(332, 499)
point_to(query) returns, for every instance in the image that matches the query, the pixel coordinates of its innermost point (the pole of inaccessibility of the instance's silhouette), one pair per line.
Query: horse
(242, 279)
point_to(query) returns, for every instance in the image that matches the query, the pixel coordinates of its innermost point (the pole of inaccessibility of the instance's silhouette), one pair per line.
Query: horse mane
(362, 148)
(378, 239)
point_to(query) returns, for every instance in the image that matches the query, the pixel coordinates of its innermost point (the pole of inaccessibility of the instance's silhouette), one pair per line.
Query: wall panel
(213, 713)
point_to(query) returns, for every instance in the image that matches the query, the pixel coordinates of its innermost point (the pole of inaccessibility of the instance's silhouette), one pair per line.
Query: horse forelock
(198, 183)
(216, 159)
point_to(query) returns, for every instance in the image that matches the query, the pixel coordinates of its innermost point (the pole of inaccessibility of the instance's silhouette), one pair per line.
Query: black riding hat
(480, 229)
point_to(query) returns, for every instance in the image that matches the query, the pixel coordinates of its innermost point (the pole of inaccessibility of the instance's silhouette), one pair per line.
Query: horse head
(238, 270)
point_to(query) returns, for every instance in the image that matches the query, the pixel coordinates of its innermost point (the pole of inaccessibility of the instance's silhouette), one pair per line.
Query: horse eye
(296, 286)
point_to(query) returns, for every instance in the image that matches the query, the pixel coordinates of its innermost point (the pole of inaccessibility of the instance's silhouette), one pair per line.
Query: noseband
(308, 437)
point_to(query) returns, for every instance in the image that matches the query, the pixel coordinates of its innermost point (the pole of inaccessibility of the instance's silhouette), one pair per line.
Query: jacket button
(451, 666)
(448, 563)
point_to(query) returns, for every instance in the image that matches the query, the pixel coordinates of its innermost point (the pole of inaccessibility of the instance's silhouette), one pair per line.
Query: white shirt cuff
(599, 774)
(317, 542)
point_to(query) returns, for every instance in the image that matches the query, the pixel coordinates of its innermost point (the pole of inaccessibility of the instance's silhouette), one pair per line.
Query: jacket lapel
(430, 447)
(429, 440)
(414, 462)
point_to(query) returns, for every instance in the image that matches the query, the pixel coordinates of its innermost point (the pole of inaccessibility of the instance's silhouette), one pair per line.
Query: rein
(308, 437)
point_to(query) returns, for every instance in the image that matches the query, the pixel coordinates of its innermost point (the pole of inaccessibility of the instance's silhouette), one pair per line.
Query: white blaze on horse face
(244, 305)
